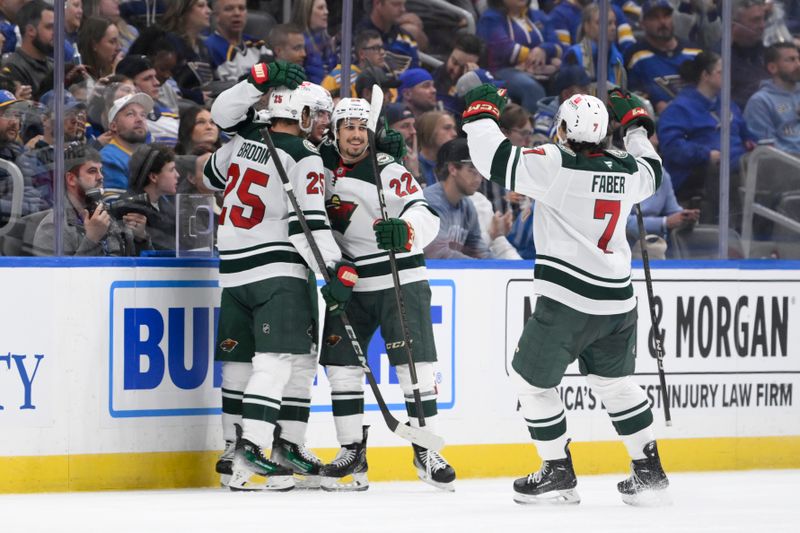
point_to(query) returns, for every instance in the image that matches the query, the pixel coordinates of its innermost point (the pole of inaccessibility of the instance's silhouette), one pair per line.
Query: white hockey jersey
(582, 204)
(353, 207)
(259, 235)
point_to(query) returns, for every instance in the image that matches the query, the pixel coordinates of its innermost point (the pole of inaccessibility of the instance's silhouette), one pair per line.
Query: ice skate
(348, 470)
(305, 465)
(224, 465)
(647, 484)
(554, 483)
(433, 469)
(253, 471)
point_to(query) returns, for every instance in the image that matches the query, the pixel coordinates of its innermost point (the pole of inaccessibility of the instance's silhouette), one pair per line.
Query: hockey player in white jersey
(354, 210)
(585, 308)
(267, 320)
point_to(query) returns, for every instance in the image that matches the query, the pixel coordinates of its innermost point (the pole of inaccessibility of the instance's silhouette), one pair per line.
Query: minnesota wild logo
(340, 212)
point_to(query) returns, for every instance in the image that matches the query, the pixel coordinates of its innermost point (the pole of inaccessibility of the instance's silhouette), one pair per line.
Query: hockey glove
(264, 76)
(391, 142)
(339, 288)
(394, 234)
(628, 109)
(484, 101)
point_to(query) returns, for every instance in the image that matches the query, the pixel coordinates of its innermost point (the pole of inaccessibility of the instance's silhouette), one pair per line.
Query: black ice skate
(647, 484)
(224, 465)
(350, 462)
(250, 460)
(554, 483)
(433, 469)
(305, 465)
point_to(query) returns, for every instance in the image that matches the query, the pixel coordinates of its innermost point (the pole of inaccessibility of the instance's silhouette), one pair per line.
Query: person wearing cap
(400, 46)
(462, 59)
(232, 51)
(653, 62)
(459, 234)
(127, 123)
(399, 118)
(417, 91)
(88, 228)
(36, 161)
(152, 171)
(162, 123)
(370, 76)
(32, 62)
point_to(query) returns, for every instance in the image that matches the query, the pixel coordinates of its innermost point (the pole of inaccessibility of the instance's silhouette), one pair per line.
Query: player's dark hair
(691, 70)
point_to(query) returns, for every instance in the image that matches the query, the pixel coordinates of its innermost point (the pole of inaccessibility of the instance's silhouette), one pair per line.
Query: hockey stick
(657, 337)
(418, 436)
(375, 107)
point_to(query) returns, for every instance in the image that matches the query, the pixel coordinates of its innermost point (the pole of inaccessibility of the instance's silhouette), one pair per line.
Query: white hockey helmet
(348, 108)
(288, 104)
(585, 119)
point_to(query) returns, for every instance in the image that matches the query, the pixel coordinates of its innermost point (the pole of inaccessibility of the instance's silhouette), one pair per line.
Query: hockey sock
(427, 392)
(296, 401)
(629, 410)
(347, 397)
(545, 417)
(234, 380)
(262, 397)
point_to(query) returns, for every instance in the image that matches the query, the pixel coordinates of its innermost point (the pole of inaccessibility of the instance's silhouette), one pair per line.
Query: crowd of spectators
(141, 75)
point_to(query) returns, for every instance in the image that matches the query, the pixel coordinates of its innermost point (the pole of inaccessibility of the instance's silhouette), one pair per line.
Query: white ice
(753, 501)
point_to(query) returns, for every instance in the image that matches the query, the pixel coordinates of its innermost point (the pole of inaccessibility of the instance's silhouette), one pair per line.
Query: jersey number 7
(245, 197)
(601, 209)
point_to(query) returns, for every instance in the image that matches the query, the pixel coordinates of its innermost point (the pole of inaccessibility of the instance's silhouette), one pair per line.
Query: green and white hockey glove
(265, 76)
(484, 101)
(337, 291)
(628, 109)
(391, 142)
(394, 234)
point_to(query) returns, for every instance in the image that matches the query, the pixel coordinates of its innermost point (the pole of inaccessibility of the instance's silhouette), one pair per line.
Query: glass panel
(195, 225)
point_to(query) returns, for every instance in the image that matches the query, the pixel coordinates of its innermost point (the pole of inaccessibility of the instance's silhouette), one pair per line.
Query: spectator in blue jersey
(584, 53)
(653, 63)
(689, 132)
(434, 128)
(401, 48)
(185, 22)
(417, 91)
(32, 62)
(520, 44)
(197, 129)
(459, 228)
(772, 113)
(321, 58)
(127, 124)
(464, 58)
(747, 50)
(233, 52)
(162, 123)
(567, 21)
(8, 23)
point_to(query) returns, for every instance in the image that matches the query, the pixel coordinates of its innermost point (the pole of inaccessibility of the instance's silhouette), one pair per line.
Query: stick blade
(420, 436)
(375, 107)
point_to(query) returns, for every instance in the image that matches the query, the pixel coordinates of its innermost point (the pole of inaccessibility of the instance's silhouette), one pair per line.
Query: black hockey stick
(657, 336)
(374, 113)
(418, 436)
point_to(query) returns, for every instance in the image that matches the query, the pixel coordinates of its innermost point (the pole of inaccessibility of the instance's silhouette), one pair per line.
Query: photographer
(153, 177)
(89, 229)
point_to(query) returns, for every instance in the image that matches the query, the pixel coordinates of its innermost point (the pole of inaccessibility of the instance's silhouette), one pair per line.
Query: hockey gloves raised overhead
(391, 142)
(484, 101)
(339, 288)
(628, 109)
(394, 234)
(264, 76)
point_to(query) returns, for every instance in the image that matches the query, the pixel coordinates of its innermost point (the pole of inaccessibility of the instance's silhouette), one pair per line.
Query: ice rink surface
(751, 501)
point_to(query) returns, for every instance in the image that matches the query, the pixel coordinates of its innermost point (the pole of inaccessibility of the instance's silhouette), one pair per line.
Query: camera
(131, 203)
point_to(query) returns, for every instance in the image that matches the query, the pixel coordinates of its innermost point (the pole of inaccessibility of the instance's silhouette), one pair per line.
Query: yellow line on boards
(162, 470)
